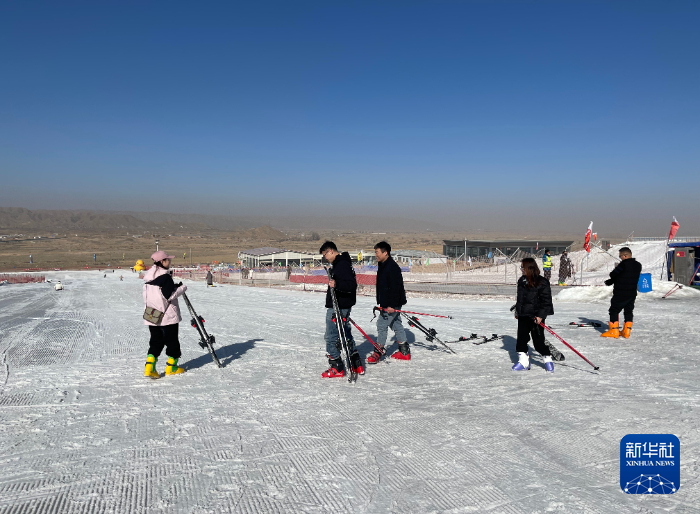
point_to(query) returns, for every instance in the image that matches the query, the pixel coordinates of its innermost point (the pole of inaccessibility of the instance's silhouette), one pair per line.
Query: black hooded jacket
(534, 301)
(625, 278)
(390, 291)
(345, 282)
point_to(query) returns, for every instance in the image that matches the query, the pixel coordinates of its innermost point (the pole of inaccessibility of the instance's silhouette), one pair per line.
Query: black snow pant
(165, 336)
(527, 326)
(619, 303)
(548, 274)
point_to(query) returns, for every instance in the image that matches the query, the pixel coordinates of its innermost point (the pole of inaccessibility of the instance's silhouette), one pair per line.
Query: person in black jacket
(390, 297)
(625, 279)
(344, 282)
(533, 306)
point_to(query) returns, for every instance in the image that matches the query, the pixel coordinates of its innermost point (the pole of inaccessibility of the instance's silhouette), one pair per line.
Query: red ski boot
(356, 363)
(403, 353)
(375, 357)
(337, 370)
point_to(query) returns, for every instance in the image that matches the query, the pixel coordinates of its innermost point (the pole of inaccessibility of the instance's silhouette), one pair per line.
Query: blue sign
(650, 464)
(644, 284)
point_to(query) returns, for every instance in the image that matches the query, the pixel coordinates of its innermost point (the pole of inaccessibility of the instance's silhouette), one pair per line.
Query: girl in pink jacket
(161, 292)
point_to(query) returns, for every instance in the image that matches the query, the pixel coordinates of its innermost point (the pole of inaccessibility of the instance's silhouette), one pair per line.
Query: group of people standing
(390, 296)
(566, 268)
(533, 305)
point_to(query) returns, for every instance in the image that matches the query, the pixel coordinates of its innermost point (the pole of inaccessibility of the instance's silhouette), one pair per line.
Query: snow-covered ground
(82, 431)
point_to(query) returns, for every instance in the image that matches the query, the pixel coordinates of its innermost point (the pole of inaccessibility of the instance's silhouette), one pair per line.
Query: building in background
(268, 257)
(456, 249)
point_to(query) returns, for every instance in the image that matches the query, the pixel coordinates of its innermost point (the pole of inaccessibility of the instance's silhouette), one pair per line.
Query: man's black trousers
(620, 303)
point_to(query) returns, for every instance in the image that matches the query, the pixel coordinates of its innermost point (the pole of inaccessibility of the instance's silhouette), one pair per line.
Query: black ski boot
(337, 370)
(403, 353)
(356, 362)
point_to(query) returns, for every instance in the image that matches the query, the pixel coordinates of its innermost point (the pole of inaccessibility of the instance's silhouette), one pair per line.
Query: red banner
(674, 228)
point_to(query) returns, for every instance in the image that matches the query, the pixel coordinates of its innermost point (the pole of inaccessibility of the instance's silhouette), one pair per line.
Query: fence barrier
(21, 278)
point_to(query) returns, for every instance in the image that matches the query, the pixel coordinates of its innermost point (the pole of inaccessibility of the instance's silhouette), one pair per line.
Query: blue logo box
(650, 464)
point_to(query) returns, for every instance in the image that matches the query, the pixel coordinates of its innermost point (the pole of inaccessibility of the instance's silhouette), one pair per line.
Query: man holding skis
(344, 282)
(624, 278)
(391, 296)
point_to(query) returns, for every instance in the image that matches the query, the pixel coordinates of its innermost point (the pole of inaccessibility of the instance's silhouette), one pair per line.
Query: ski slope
(81, 430)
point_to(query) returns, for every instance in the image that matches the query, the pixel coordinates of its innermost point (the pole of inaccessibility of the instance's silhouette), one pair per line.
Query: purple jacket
(153, 295)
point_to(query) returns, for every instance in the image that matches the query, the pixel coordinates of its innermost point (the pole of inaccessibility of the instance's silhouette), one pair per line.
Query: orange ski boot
(614, 330)
(627, 330)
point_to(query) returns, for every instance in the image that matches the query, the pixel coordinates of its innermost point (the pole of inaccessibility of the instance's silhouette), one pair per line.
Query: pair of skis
(205, 340)
(481, 339)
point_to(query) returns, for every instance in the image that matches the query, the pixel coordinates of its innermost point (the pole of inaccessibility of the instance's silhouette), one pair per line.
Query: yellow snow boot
(614, 330)
(150, 371)
(172, 368)
(627, 330)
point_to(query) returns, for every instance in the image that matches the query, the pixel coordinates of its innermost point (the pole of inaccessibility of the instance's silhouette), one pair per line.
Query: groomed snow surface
(82, 431)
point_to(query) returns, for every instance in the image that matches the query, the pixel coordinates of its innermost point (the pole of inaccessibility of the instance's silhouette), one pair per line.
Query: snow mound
(603, 294)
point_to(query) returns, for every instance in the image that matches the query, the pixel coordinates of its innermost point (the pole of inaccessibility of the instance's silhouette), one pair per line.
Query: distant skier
(121, 278)
(624, 278)
(161, 293)
(564, 268)
(344, 283)
(390, 296)
(533, 306)
(210, 279)
(547, 264)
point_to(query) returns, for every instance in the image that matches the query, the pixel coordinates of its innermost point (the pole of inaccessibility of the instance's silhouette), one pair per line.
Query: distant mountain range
(18, 219)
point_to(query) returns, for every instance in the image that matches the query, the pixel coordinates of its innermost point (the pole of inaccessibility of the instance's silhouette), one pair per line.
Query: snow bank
(604, 293)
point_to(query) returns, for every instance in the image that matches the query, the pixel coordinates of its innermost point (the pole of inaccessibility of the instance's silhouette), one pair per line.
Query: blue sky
(434, 109)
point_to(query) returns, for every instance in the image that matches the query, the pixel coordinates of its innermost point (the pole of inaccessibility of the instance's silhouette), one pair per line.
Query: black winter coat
(345, 282)
(625, 278)
(390, 291)
(534, 301)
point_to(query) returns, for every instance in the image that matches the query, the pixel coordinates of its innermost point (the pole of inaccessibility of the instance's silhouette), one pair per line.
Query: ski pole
(675, 288)
(695, 273)
(567, 344)
(379, 348)
(419, 313)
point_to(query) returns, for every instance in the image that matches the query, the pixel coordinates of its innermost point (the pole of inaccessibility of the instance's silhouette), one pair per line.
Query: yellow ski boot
(614, 330)
(172, 368)
(150, 371)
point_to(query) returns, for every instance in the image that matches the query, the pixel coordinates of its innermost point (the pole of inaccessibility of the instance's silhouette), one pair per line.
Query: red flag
(587, 242)
(595, 236)
(674, 228)
(538, 246)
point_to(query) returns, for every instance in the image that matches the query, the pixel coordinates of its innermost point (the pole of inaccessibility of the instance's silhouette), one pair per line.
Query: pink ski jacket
(153, 296)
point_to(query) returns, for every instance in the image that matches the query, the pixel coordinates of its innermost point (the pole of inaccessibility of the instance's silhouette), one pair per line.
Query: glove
(609, 282)
(178, 285)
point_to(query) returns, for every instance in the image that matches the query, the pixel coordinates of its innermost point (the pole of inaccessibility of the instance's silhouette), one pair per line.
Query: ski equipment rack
(344, 348)
(205, 340)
